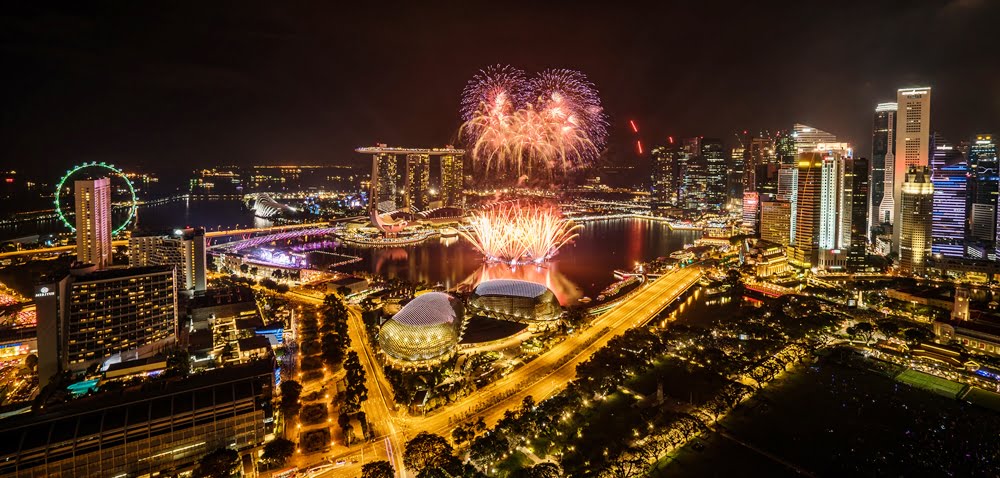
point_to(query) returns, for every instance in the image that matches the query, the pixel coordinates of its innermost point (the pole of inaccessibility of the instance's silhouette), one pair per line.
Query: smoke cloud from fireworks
(551, 123)
(515, 235)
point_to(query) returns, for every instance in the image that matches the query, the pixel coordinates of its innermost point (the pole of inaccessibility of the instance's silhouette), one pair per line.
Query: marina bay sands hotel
(409, 184)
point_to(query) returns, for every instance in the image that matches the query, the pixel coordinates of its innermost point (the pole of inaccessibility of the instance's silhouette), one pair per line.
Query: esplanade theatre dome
(515, 300)
(424, 332)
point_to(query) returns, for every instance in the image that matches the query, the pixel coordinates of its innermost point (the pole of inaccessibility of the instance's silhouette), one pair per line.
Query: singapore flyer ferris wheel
(129, 201)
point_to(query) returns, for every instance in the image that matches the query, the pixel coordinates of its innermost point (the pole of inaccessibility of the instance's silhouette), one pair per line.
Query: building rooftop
(256, 342)
(137, 363)
(480, 329)
(510, 287)
(222, 296)
(348, 281)
(118, 273)
(432, 308)
(149, 390)
(249, 323)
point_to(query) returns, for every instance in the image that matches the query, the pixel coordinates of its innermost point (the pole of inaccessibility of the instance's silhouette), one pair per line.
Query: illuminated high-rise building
(841, 207)
(883, 150)
(183, 248)
(385, 191)
(776, 221)
(830, 202)
(915, 221)
(807, 138)
(418, 177)
(452, 180)
(751, 202)
(93, 221)
(715, 170)
(665, 174)
(695, 180)
(737, 170)
(949, 224)
(913, 143)
(784, 149)
(88, 316)
(390, 192)
(857, 208)
(983, 182)
(807, 210)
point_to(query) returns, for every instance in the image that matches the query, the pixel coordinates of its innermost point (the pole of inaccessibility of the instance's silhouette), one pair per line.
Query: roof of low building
(510, 287)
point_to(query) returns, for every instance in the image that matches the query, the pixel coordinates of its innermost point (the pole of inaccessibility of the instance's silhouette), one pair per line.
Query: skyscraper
(883, 149)
(715, 168)
(452, 180)
(715, 163)
(807, 210)
(776, 221)
(915, 219)
(751, 201)
(913, 130)
(384, 194)
(93, 221)
(856, 173)
(983, 190)
(418, 174)
(664, 177)
(950, 217)
(737, 171)
(183, 248)
(86, 317)
(807, 138)
(837, 212)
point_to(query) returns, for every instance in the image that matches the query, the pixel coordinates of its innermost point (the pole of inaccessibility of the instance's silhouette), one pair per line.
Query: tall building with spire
(93, 221)
(883, 151)
(913, 144)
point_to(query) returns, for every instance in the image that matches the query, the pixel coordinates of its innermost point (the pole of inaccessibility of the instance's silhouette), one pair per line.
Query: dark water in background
(584, 267)
(210, 214)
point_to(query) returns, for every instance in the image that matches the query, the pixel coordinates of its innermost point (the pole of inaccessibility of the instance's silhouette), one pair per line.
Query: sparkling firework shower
(518, 235)
(553, 122)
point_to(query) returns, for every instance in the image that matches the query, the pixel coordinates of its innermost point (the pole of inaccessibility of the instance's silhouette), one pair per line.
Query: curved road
(539, 378)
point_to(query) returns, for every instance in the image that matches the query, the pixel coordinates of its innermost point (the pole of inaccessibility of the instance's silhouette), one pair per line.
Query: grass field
(937, 385)
(984, 398)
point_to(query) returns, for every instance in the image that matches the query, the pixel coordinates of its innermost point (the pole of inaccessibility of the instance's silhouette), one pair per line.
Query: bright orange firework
(519, 234)
(551, 123)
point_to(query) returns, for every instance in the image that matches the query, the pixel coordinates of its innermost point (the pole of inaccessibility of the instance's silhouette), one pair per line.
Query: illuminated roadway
(550, 372)
(539, 378)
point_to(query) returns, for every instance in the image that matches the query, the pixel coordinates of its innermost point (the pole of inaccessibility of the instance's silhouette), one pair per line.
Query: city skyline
(500, 241)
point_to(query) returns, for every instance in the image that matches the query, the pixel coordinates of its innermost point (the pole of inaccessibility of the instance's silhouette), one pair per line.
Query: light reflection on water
(585, 267)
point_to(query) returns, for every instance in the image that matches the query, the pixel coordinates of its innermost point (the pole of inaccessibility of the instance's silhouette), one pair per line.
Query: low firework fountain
(518, 235)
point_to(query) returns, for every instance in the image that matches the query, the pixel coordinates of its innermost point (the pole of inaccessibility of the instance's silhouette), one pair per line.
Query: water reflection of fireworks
(514, 234)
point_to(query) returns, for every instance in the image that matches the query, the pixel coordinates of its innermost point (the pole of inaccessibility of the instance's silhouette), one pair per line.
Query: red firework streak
(638, 142)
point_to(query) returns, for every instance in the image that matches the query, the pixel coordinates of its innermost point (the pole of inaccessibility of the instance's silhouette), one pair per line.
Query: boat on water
(449, 232)
(584, 300)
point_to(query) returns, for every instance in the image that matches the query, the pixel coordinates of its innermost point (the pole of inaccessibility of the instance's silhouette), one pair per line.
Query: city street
(539, 378)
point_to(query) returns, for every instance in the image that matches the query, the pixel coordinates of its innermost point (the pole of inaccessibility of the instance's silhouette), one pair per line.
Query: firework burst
(517, 235)
(553, 122)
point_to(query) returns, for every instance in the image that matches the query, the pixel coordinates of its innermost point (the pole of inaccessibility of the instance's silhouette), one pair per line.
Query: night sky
(172, 86)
